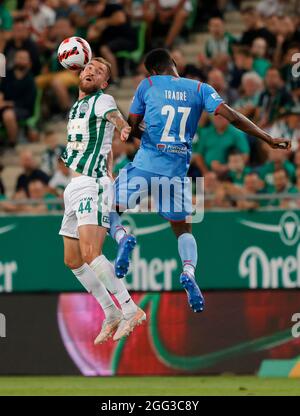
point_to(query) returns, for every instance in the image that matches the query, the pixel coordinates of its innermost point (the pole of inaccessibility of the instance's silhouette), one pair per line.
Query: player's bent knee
(72, 263)
(88, 256)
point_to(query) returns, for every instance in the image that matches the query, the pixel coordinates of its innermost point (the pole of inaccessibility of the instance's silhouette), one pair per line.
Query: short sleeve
(104, 105)
(211, 99)
(138, 103)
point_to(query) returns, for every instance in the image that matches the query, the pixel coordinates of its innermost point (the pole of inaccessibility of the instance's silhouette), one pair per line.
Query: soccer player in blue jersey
(170, 107)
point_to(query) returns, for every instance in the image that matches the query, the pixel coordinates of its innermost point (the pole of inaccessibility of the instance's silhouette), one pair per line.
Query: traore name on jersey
(90, 135)
(171, 108)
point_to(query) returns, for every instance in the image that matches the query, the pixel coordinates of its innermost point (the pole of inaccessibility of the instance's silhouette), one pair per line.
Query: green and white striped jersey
(90, 135)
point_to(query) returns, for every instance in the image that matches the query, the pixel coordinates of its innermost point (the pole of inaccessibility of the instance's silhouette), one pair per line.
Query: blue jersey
(171, 108)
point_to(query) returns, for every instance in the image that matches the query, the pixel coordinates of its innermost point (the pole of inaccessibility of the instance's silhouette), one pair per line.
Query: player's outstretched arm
(134, 121)
(122, 126)
(243, 123)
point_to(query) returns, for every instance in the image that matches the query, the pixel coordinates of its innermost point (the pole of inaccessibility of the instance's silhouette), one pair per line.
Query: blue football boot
(126, 245)
(195, 297)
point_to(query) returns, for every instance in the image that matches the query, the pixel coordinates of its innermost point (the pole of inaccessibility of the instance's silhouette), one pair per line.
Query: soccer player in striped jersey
(92, 121)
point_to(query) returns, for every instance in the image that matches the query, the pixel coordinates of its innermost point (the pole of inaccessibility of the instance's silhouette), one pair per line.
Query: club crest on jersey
(215, 96)
(161, 146)
(84, 107)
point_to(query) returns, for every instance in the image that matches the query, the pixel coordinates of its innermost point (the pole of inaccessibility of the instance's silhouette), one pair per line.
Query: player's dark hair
(234, 151)
(282, 170)
(49, 132)
(274, 68)
(158, 61)
(242, 50)
(248, 10)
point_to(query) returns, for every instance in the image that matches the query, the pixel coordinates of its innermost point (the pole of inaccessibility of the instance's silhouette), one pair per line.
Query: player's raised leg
(126, 243)
(187, 248)
(87, 277)
(132, 314)
(91, 240)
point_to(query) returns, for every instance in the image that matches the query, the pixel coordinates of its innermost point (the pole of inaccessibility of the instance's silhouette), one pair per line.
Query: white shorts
(83, 199)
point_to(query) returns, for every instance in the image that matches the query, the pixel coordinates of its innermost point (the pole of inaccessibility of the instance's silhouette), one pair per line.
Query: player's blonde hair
(104, 62)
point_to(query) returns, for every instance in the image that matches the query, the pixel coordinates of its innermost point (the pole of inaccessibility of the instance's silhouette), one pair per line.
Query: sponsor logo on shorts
(161, 146)
(105, 219)
(171, 148)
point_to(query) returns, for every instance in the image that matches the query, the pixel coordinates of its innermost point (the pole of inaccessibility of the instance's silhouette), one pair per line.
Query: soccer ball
(74, 53)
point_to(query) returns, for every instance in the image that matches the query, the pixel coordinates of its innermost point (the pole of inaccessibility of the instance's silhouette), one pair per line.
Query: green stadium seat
(192, 17)
(34, 119)
(136, 55)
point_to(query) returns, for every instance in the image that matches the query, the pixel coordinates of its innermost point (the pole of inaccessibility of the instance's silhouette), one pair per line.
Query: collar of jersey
(90, 95)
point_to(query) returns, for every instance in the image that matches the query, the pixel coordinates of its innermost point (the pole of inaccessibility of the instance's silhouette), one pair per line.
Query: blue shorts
(172, 196)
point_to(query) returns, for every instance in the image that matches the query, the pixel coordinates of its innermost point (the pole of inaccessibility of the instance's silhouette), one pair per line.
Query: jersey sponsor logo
(161, 146)
(77, 126)
(215, 96)
(80, 146)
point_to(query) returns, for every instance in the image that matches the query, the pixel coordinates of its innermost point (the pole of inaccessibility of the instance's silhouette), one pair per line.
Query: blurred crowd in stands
(257, 72)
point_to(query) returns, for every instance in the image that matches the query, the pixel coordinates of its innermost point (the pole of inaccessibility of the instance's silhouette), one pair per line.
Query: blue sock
(187, 248)
(116, 231)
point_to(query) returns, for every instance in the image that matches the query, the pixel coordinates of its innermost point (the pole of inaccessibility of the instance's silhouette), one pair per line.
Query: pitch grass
(148, 386)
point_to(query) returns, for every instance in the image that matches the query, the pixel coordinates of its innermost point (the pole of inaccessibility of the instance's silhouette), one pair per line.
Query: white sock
(119, 234)
(93, 285)
(128, 308)
(188, 268)
(104, 270)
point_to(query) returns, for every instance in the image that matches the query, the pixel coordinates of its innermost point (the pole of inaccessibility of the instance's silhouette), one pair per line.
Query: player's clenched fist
(124, 133)
(280, 144)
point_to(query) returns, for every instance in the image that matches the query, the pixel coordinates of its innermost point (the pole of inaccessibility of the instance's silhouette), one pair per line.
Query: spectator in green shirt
(219, 41)
(252, 186)
(40, 192)
(276, 161)
(215, 144)
(237, 168)
(5, 18)
(259, 50)
(5, 24)
(282, 185)
(252, 86)
(274, 100)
